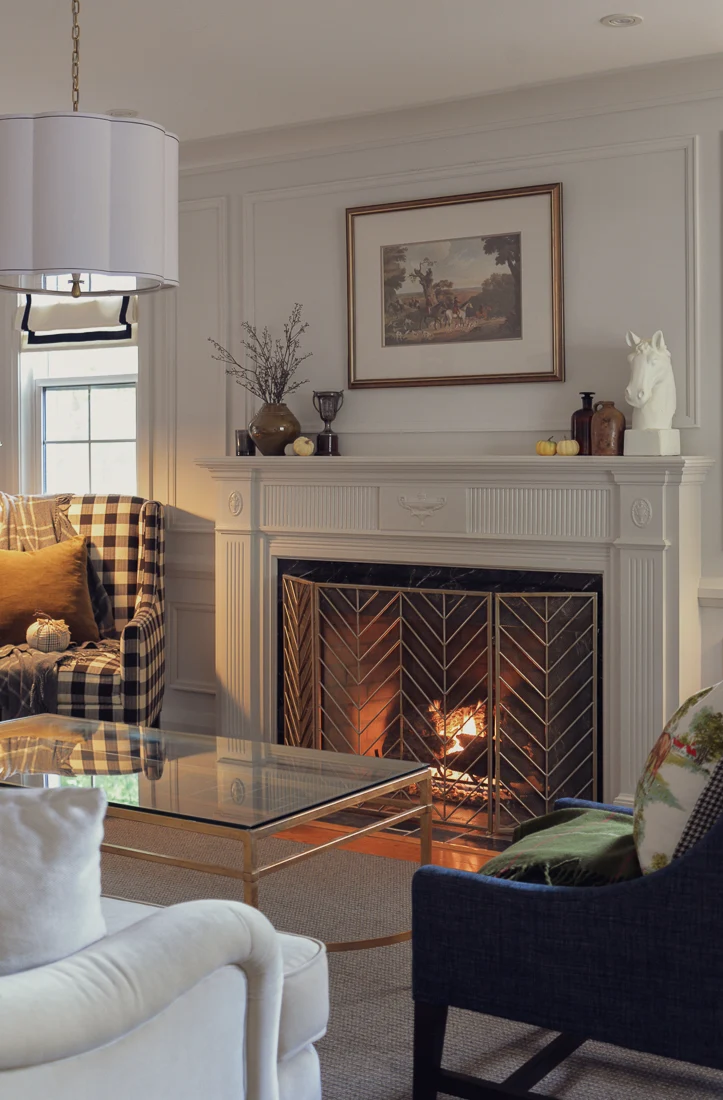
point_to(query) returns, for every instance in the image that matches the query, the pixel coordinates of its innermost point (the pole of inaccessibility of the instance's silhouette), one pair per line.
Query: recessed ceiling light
(621, 20)
(122, 112)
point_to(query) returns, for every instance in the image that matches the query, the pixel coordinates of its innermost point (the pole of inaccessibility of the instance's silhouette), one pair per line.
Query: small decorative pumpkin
(546, 446)
(48, 635)
(568, 447)
(303, 446)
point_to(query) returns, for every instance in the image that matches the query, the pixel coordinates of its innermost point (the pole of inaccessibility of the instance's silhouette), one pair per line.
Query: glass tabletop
(218, 780)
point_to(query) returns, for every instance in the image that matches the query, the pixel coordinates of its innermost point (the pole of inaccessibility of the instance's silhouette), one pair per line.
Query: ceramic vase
(273, 428)
(607, 429)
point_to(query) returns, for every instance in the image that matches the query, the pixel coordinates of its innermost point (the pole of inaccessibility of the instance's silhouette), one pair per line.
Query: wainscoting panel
(192, 658)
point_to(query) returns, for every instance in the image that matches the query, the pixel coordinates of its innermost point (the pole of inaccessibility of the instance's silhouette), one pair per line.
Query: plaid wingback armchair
(126, 541)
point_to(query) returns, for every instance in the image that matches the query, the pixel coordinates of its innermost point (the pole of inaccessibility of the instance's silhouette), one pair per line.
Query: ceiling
(206, 67)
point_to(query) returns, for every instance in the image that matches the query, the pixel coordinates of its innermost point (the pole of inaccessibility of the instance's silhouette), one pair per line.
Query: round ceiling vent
(621, 20)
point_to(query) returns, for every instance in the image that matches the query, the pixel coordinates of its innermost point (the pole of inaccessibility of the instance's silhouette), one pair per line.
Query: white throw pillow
(49, 874)
(677, 775)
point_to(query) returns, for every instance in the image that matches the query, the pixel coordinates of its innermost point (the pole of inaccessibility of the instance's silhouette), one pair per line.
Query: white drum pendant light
(88, 203)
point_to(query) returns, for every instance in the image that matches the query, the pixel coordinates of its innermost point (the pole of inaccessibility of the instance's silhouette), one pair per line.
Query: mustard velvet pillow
(54, 580)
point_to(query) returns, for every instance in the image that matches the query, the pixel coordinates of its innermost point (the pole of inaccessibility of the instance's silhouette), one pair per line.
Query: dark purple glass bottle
(580, 423)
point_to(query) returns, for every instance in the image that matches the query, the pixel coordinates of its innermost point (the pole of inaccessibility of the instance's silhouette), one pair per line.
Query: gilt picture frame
(457, 290)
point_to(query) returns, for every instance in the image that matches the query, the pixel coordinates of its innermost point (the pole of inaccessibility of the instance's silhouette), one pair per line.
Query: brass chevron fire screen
(496, 691)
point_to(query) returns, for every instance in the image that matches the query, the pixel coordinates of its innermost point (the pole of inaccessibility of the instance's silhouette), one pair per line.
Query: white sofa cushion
(305, 998)
(120, 913)
(50, 874)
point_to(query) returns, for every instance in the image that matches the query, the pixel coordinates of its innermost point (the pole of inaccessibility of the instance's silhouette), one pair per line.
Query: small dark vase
(244, 443)
(580, 424)
(273, 428)
(607, 429)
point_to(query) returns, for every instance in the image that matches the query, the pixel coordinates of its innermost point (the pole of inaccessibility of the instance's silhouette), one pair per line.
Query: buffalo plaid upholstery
(116, 750)
(124, 680)
(109, 750)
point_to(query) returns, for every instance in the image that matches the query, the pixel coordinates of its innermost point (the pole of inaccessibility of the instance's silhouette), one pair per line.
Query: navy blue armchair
(638, 964)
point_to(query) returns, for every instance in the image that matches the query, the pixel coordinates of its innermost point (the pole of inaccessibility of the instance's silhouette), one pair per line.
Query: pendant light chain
(75, 68)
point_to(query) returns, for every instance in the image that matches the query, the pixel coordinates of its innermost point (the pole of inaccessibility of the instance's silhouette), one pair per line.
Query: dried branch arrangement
(272, 363)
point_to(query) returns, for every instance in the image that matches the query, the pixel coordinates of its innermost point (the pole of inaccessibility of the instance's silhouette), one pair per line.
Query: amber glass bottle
(580, 424)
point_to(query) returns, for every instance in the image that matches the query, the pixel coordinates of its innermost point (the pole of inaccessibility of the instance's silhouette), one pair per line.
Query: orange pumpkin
(546, 446)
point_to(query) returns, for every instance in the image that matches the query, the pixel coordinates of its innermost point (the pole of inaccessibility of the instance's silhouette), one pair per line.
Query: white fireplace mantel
(636, 521)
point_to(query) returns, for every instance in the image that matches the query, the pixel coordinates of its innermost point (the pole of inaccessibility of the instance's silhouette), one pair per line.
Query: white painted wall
(262, 225)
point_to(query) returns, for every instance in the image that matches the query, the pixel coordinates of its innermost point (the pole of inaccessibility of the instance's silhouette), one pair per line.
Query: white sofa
(199, 1000)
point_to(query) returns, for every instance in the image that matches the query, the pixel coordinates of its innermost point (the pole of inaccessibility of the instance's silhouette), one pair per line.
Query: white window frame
(21, 455)
(85, 382)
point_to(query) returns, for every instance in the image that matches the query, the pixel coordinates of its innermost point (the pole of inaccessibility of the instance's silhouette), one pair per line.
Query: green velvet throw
(574, 847)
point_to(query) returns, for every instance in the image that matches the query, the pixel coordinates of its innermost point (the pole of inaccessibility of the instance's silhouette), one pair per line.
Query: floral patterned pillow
(676, 774)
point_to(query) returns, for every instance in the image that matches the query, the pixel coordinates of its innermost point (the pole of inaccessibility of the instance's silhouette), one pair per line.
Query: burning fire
(460, 727)
(457, 730)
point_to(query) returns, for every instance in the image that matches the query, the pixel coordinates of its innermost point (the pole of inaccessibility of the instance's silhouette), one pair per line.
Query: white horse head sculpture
(651, 390)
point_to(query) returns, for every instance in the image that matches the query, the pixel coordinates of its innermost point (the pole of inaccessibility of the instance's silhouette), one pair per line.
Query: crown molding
(660, 85)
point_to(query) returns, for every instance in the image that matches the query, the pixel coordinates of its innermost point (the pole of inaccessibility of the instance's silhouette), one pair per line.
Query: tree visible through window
(118, 788)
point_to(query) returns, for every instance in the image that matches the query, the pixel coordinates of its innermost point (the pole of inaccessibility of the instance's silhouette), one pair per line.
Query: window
(79, 419)
(88, 436)
(118, 788)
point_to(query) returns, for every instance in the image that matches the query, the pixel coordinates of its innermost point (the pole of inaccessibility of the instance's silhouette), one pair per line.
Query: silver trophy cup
(327, 403)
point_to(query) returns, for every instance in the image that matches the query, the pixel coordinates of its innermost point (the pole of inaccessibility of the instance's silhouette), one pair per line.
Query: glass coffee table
(224, 787)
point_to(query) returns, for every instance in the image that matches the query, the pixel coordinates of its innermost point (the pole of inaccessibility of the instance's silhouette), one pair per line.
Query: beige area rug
(367, 1053)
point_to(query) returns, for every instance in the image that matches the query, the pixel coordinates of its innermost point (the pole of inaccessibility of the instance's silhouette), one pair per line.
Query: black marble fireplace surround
(447, 579)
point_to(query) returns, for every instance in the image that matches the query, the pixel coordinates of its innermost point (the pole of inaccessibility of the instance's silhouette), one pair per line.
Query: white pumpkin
(48, 635)
(303, 445)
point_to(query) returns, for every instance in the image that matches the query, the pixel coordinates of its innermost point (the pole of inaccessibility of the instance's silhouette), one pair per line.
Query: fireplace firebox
(491, 678)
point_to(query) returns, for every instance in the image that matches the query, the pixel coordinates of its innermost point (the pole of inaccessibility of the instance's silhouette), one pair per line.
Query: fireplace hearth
(495, 688)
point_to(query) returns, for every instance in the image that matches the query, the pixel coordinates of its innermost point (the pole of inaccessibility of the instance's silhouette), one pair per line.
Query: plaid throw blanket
(36, 755)
(29, 678)
(30, 523)
(28, 681)
(573, 847)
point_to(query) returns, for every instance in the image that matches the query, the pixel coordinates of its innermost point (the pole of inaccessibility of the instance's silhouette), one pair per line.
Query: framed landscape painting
(460, 290)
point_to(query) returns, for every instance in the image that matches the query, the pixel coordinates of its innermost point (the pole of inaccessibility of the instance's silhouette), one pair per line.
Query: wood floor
(393, 847)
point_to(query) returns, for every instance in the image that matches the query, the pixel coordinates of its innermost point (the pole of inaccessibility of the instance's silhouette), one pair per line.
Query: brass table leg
(425, 857)
(251, 872)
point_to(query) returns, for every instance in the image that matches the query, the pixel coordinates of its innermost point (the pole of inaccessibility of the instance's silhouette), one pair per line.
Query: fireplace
(490, 677)
(632, 523)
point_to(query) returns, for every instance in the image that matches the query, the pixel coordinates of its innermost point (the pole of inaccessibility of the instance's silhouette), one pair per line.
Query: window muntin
(89, 437)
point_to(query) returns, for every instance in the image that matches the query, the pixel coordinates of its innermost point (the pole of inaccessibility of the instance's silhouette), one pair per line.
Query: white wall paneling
(262, 226)
(192, 667)
(190, 415)
(9, 395)
(297, 232)
(199, 392)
